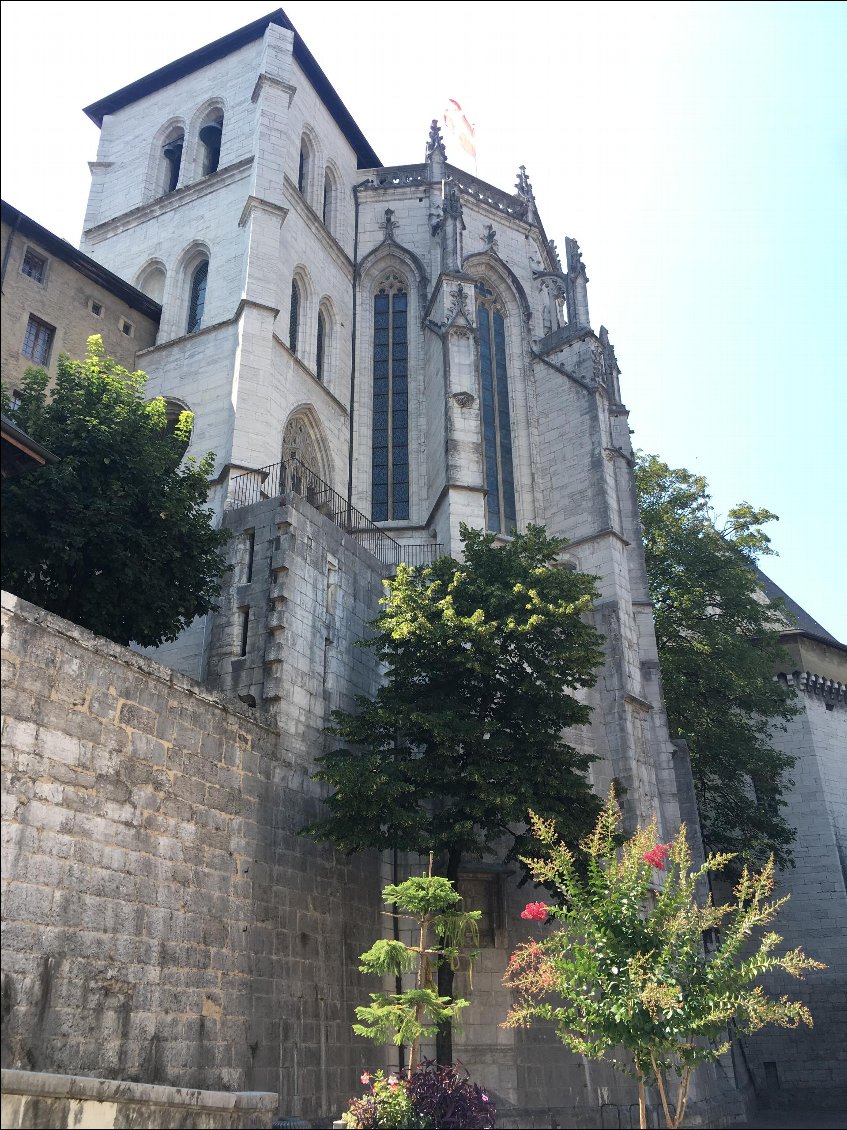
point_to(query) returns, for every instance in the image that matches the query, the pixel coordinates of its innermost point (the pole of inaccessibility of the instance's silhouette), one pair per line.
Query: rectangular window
(95, 307)
(34, 266)
(249, 553)
(127, 328)
(245, 631)
(38, 340)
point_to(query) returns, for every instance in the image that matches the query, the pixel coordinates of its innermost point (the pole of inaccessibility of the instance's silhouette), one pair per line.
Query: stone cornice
(275, 83)
(171, 200)
(818, 686)
(256, 204)
(316, 225)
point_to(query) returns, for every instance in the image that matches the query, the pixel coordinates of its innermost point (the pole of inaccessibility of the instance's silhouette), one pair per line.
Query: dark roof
(365, 156)
(20, 452)
(806, 624)
(65, 251)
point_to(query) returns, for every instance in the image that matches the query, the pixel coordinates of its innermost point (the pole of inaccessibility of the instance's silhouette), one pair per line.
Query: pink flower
(535, 912)
(366, 1077)
(656, 856)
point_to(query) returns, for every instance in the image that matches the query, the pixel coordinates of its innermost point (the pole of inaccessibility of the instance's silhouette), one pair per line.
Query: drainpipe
(356, 188)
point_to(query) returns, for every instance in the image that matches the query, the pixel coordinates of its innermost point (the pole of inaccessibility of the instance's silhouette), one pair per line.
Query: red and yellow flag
(458, 128)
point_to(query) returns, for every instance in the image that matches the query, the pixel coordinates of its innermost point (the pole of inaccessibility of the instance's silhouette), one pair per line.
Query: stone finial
(435, 144)
(574, 258)
(436, 154)
(577, 285)
(452, 224)
(524, 188)
(554, 254)
(525, 195)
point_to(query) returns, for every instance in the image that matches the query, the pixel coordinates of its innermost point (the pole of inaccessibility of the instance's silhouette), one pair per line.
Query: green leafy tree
(466, 733)
(719, 648)
(115, 535)
(430, 903)
(626, 970)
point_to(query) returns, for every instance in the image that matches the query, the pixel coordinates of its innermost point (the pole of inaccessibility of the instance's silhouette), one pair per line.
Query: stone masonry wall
(164, 922)
(809, 1066)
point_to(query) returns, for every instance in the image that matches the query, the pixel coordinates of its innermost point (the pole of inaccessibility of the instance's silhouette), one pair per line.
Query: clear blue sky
(698, 152)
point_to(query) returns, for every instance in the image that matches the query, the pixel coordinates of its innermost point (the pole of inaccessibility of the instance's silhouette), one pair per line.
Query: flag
(458, 128)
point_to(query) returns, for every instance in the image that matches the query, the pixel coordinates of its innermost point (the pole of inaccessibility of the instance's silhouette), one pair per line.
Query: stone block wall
(164, 921)
(35, 1098)
(809, 1066)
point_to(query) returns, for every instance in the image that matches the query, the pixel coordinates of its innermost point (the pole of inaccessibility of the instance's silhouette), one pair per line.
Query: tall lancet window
(197, 298)
(496, 425)
(390, 459)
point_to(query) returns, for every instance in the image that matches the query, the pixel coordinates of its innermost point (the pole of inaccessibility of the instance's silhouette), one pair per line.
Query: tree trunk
(444, 1036)
(642, 1102)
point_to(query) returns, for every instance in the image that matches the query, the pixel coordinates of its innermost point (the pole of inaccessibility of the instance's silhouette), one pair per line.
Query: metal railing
(293, 477)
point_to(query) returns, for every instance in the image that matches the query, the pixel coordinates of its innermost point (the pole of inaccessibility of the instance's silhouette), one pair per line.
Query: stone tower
(409, 338)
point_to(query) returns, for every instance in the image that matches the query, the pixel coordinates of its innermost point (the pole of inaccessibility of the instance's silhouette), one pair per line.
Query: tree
(115, 535)
(627, 968)
(466, 733)
(719, 647)
(430, 902)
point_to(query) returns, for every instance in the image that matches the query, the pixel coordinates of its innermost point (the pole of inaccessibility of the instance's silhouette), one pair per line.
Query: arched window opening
(500, 509)
(173, 412)
(197, 297)
(300, 442)
(328, 213)
(390, 452)
(304, 168)
(320, 355)
(172, 153)
(152, 283)
(294, 318)
(210, 138)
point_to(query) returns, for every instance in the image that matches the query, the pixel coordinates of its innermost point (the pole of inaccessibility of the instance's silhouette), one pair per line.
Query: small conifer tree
(430, 903)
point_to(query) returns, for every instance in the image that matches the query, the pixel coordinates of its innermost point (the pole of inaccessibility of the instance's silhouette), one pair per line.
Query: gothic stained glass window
(390, 451)
(197, 298)
(496, 424)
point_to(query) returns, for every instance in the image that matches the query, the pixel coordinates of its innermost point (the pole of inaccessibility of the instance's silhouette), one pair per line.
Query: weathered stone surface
(37, 1099)
(164, 921)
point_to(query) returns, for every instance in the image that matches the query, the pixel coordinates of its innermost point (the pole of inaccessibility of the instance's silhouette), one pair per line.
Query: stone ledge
(196, 1108)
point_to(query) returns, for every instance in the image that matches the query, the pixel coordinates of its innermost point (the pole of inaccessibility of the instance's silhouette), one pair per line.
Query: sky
(697, 152)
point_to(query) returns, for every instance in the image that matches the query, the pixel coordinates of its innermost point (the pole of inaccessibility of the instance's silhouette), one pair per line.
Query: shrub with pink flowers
(535, 912)
(624, 974)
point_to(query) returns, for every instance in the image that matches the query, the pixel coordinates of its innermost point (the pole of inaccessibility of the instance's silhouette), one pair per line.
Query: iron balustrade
(291, 476)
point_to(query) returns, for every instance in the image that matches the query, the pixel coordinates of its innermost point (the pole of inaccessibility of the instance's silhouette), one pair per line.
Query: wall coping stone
(41, 1084)
(17, 606)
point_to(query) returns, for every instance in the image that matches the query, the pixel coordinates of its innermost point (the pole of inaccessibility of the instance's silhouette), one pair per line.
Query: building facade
(376, 354)
(55, 298)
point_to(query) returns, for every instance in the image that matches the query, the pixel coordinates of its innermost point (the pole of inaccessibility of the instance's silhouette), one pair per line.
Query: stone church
(376, 354)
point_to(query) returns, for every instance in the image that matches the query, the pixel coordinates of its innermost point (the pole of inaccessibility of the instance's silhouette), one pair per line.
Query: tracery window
(197, 297)
(390, 451)
(496, 426)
